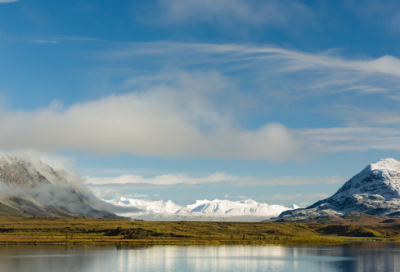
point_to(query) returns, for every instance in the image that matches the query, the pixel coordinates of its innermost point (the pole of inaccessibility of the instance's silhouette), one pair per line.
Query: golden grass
(95, 231)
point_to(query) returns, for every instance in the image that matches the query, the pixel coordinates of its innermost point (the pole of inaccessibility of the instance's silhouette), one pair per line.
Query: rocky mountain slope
(30, 187)
(375, 190)
(200, 210)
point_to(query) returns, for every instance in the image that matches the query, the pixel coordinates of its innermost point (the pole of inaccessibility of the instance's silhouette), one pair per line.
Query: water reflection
(367, 256)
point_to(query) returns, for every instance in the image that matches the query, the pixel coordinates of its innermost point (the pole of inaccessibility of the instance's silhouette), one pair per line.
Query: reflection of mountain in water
(358, 257)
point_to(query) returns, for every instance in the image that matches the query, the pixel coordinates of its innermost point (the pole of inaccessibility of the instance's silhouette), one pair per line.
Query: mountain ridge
(375, 190)
(30, 187)
(211, 209)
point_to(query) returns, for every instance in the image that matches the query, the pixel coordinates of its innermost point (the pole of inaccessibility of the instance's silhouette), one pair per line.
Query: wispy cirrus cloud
(286, 77)
(354, 138)
(168, 179)
(237, 56)
(7, 1)
(283, 181)
(340, 86)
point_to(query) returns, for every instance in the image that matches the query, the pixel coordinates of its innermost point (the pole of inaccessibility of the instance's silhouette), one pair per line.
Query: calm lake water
(367, 256)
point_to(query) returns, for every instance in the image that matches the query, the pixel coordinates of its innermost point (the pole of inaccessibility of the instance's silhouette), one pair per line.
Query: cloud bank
(358, 94)
(198, 107)
(168, 179)
(158, 122)
(216, 179)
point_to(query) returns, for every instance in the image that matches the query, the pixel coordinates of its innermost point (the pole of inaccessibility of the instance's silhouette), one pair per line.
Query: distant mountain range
(30, 187)
(375, 191)
(248, 210)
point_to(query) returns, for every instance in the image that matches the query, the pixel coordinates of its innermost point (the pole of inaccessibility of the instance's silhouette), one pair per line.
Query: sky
(276, 101)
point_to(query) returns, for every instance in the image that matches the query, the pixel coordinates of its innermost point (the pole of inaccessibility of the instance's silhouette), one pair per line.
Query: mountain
(200, 210)
(375, 190)
(30, 187)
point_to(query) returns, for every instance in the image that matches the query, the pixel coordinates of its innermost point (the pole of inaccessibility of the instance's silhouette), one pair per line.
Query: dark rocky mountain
(375, 191)
(30, 187)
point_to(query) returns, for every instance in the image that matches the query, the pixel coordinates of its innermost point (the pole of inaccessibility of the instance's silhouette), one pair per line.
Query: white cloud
(217, 179)
(295, 60)
(288, 181)
(198, 114)
(317, 75)
(293, 78)
(181, 121)
(386, 64)
(168, 179)
(273, 76)
(367, 88)
(107, 194)
(8, 1)
(356, 138)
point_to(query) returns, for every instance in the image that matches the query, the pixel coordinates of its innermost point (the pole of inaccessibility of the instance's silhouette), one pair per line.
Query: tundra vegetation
(95, 231)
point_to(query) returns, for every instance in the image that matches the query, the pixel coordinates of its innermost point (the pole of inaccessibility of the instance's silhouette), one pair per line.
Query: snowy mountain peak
(375, 190)
(381, 177)
(385, 164)
(32, 187)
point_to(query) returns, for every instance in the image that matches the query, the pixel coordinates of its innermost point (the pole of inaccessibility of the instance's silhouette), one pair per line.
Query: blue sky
(276, 101)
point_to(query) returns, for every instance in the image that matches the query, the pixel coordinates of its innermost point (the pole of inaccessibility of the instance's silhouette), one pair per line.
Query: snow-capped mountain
(231, 208)
(30, 187)
(201, 209)
(147, 207)
(375, 190)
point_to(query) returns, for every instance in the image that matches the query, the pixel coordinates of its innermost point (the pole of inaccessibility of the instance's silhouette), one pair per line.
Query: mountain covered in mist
(30, 187)
(200, 209)
(375, 190)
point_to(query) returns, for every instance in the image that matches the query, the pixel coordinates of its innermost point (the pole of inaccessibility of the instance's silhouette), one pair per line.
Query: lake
(362, 256)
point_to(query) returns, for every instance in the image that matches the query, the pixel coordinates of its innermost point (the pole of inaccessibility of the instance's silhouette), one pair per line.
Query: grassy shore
(95, 231)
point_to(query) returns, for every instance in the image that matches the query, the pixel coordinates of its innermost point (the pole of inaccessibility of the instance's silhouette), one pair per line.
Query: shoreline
(16, 230)
(283, 240)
